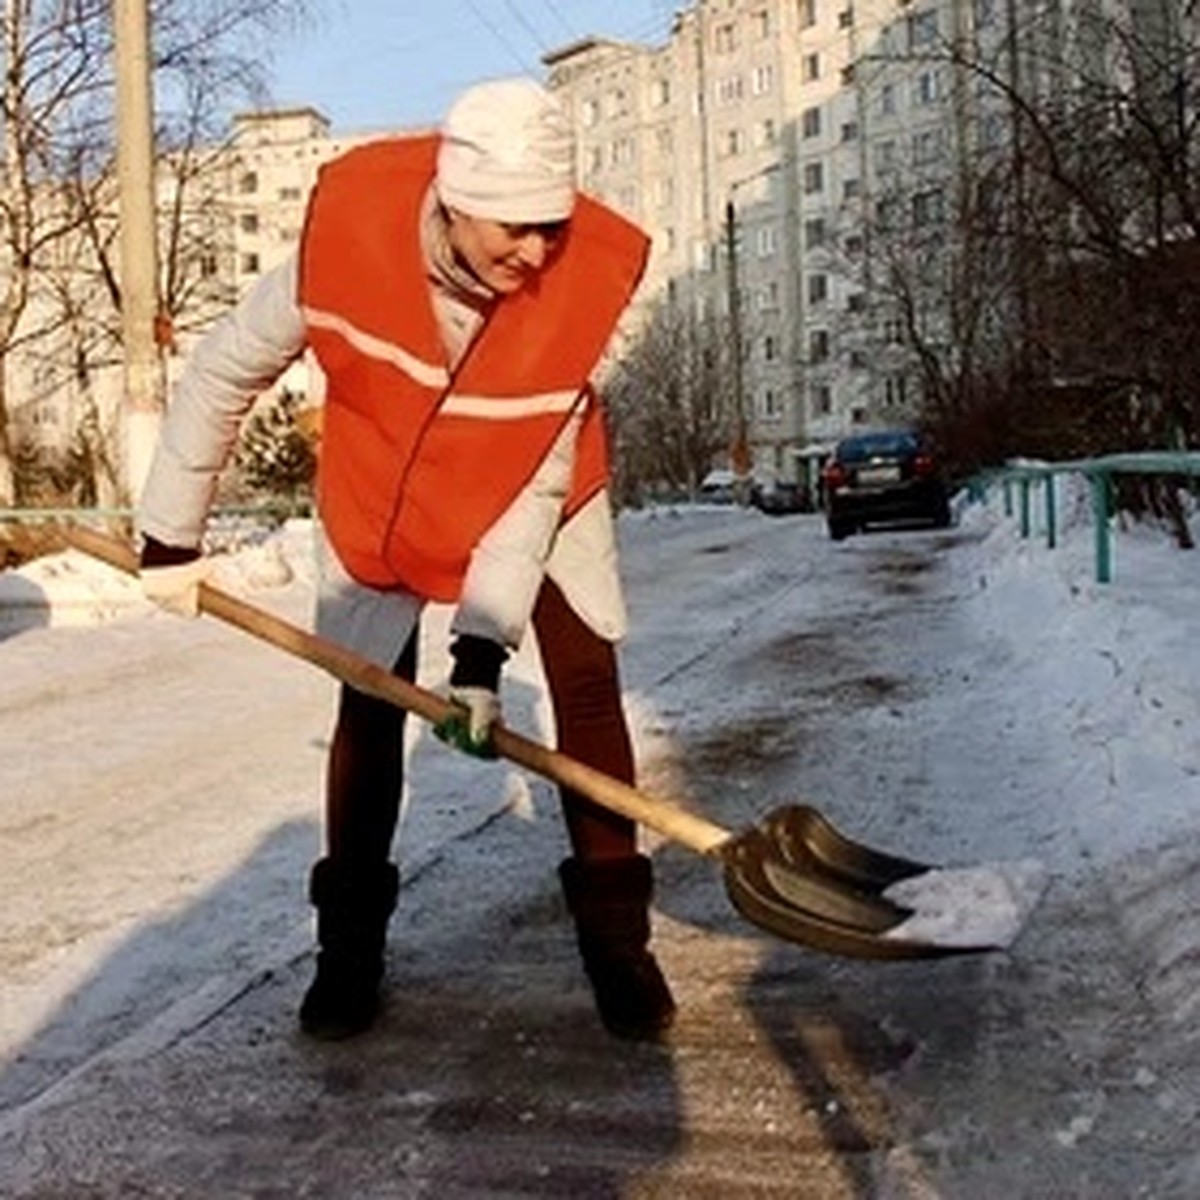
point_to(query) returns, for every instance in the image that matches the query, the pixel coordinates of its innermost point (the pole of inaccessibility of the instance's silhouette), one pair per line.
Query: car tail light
(923, 465)
(834, 475)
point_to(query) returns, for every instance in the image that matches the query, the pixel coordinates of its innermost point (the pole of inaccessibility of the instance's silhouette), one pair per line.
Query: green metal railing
(281, 510)
(1023, 479)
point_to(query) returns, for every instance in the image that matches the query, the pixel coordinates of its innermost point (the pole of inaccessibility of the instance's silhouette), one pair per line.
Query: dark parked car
(890, 475)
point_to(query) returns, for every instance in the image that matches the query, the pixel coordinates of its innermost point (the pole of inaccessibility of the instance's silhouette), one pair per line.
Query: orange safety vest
(417, 462)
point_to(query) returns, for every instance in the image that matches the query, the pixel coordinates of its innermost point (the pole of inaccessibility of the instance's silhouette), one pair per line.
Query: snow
(967, 907)
(1056, 734)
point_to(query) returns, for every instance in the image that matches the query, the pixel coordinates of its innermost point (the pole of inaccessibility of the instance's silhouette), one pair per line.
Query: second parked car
(888, 475)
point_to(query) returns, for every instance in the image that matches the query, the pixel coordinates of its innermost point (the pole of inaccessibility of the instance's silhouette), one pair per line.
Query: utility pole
(739, 454)
(143, 368)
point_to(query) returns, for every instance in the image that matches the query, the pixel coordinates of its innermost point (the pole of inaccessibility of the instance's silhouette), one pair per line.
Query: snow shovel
(792, 874)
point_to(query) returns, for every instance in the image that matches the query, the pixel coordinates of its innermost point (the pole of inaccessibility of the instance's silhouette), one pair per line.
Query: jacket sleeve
(241, 356)
(508, 564)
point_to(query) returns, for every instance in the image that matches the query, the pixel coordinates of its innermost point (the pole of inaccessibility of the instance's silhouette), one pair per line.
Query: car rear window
(868, 445)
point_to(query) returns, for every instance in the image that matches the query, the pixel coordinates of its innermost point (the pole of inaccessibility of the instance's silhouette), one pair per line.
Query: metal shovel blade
(798, 877)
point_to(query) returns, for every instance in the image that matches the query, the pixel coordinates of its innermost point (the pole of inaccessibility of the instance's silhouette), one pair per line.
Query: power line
(499, 36)
(556, 13)
(519, 17)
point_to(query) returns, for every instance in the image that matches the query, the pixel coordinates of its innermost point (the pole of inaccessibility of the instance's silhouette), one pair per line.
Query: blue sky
(381, 63)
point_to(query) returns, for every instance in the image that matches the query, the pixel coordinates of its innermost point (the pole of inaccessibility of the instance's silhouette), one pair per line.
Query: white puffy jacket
(243, 355)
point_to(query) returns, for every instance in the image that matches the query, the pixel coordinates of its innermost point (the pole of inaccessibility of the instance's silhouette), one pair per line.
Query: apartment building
(774, 127)
(763, 125)
(785, 130)
(228, 214)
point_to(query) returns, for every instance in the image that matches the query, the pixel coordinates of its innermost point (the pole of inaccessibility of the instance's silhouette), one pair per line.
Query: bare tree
(59, 284)
(53, 57)
(1057, 283)
(670, 400)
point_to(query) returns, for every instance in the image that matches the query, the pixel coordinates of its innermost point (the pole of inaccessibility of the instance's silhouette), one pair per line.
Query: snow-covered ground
(146, 757)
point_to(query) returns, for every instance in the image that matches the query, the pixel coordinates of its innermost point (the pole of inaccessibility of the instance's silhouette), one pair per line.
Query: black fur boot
(353, 907)
(610, 902)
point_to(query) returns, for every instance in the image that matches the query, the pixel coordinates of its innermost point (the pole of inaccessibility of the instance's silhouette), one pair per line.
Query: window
(770, 348)
(734, 143)
(660, 93)
(850, 189)
(768, 133)
(886, 156)
(810, 68)
(289, 193)
(248, 183)
(818, 346)
(820, 399)
(850, 131)
(887, 99)
(928, 207)
(847, 74)
(895, 391)
(591, 113)
(926, 147)
(769, 406)
(766, 241)
(760, 23)
(922, 29)
(725, 38)
(853, 245)
(810, 122)
(250, 264)
(248, 222)
(621, 152)
(729, 89)
(856, 302)
(208, 266)
(807, 13)
(768, 297)
(761, 80)
(846, 18)
(814, 178)
(818, 288)
(925, 88)
(814, 233)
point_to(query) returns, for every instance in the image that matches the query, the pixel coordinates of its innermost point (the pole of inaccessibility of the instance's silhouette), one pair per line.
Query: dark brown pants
(366, 760)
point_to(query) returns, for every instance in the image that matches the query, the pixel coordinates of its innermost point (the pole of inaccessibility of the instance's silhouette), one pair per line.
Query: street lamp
(739, 455)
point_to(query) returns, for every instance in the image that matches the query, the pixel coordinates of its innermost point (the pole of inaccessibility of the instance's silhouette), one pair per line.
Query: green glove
(474, 692)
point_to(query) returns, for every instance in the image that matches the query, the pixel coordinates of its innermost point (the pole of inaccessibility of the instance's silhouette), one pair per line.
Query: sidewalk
(789, 1074)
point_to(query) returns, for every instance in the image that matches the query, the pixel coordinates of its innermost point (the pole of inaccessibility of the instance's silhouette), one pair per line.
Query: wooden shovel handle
(665, 817)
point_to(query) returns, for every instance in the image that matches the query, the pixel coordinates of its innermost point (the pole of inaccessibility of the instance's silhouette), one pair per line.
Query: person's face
(504, 257)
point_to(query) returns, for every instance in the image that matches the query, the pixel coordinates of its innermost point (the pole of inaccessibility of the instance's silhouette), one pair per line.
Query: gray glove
(171, 576)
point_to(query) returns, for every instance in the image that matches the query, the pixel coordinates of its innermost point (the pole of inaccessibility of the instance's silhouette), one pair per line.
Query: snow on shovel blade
(800, 878)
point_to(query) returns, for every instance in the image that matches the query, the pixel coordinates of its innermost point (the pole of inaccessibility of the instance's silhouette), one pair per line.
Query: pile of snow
(968, 907)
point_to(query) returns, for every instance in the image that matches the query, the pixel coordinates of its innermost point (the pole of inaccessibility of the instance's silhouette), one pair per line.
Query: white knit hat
(507, 154)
